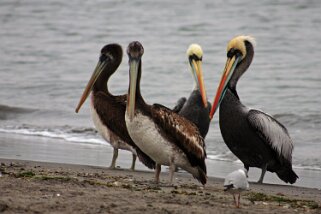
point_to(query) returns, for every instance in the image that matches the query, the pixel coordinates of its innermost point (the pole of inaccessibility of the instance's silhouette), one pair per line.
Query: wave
(90, 136)
(77, 135)
(302, 119)
(229, 157)
(9, 112)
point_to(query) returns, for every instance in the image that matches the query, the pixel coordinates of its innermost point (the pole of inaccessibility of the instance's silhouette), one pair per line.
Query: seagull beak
(198, 76)
(133, 73)
(101, 65)
(226, 76)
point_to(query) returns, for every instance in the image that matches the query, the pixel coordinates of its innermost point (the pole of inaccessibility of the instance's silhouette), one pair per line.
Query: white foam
(316, 168)
(70, 137)
(220, 157)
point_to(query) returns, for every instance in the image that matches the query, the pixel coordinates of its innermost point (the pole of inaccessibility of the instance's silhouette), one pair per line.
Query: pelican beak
(101, 65)
(226, 76)
(198, 76)
(133, 73)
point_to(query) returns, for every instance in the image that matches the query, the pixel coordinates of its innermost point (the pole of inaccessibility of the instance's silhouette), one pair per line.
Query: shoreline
(44, 149)
(31, 186)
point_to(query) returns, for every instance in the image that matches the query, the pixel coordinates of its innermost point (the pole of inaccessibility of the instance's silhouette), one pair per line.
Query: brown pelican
(196, 108)
(163, 135)
(255, 137)
(108, 111)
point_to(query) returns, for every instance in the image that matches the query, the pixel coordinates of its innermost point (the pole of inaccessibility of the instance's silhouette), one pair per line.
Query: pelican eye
(106, 56)
(233, 52)
(195, 57)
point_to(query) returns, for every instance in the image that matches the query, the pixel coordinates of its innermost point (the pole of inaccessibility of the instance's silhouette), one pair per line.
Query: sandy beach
(39, 187)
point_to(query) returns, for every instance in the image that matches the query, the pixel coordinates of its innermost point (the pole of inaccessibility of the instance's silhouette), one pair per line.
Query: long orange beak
(226, 76)
(198, 76)
(99, 68)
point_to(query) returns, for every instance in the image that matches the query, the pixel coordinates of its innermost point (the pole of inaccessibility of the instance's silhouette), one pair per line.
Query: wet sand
(39, 187)
(44, 149)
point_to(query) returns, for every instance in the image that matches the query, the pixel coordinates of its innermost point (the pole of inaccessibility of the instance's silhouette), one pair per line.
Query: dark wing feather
(114, 119)
(179, 105)
(227, 187)
(182, 132)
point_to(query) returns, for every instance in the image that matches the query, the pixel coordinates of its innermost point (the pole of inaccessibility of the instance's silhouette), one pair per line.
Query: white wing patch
(273, 131)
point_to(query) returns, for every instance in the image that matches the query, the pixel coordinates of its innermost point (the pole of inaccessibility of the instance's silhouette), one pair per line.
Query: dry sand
(36, 187)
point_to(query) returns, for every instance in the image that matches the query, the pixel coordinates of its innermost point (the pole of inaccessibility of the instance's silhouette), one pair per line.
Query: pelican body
(108, 111)
(196, 108)
(163, 135)
(255, 137)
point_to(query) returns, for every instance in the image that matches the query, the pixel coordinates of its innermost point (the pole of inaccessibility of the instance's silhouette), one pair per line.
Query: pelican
(163, 135)
(255, 137)
(235, 183)
(108, 111)
(196, 109)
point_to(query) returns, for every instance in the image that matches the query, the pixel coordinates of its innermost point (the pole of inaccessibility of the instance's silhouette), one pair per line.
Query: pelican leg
(133, 162)
(172, 169)
(264, 167)
(113, 162)
(157, 172)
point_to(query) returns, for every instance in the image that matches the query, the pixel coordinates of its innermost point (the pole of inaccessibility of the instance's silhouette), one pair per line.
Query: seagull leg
(157, 172)
(234, 200)
(239, 199)
(264, 167)
(133, 162)
(113, 162)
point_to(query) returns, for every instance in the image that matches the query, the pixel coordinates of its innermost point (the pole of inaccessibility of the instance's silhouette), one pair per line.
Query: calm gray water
(48, 50)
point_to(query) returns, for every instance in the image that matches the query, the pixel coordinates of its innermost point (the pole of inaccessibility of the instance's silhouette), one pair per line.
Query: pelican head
(237, 53)
(195, 55)
(109, 60)
(135, 51)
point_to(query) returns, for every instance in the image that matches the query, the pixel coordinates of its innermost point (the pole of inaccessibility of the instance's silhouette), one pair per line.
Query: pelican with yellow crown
(255, 137)
(196, 108)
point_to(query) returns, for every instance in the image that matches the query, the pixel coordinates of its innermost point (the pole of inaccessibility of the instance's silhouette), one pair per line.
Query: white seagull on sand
(235, 183)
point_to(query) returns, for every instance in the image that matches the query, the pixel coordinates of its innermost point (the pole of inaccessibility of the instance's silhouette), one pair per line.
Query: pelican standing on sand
(196, 109)
(108, 111)
(235, 183)
(163, 135)
(255, 137)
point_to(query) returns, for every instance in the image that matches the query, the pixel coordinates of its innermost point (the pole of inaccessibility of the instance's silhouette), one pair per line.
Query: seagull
(235, 183)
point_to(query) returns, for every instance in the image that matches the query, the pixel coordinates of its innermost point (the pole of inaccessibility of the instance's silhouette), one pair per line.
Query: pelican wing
(114, 119)
(179, 105)
(272, 132)
(182, 132)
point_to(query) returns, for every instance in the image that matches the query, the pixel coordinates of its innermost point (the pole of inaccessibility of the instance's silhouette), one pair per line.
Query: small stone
(287, 206)
(3, 207)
